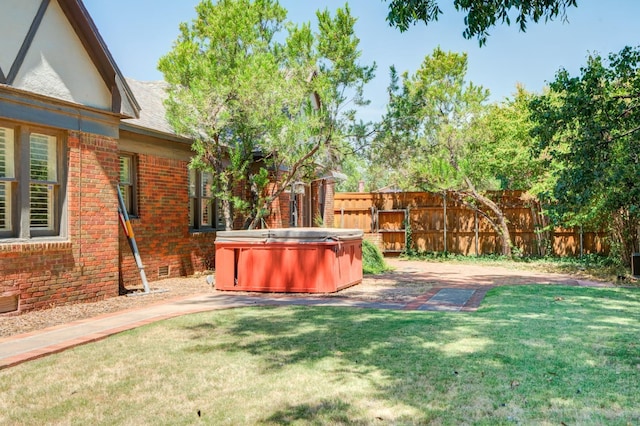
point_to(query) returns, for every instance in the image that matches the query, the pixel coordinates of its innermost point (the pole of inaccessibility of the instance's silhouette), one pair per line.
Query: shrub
(372, 260)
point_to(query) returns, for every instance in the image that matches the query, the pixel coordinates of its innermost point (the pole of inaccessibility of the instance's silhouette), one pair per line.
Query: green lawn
(530, 355)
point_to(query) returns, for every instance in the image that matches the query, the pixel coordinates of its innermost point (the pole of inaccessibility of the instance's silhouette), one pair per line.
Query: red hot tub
(297, 260)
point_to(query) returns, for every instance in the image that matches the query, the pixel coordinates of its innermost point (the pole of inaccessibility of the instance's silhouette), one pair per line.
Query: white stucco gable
(15, 21)
(52, 48)
(57, 64)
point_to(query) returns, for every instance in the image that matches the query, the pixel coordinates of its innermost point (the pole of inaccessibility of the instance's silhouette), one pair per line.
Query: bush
(372, 260)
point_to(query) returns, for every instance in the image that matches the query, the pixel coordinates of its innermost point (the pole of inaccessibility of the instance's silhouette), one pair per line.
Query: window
(128, 169)
(204, 210)
(7, 179)
(30, 183)
(43, 185)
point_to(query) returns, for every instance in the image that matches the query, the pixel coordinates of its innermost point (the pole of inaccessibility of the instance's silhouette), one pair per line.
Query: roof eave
(141, 130)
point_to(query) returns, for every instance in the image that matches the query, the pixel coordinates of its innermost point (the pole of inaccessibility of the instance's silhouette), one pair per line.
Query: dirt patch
(386, 288)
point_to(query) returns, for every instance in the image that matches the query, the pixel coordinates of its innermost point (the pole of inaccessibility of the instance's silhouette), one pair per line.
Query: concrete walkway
(456, 288)
(28, 346)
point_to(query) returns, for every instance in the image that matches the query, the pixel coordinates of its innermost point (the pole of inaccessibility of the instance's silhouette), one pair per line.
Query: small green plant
(318, 220)
(372, 259)
(408, 249)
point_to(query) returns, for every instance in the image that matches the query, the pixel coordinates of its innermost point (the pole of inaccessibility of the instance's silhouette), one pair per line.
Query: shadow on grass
(331, 411)
(529, 354)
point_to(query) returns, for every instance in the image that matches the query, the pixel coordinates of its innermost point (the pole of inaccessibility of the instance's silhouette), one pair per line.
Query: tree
(221, 73)
(238, 92)
(440, 132)
(588, 128)
(317, 137)
(481, 14)
(506, 148)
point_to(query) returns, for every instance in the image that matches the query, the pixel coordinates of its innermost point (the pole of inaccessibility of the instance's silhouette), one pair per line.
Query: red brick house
(71, 130)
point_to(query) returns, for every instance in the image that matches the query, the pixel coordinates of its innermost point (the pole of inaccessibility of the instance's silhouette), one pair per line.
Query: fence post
(373, 222)
(475, 217)
(444, 198)
(581, 241)
(407, 229)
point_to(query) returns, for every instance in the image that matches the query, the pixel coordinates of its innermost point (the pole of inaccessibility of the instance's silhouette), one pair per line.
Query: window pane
(6, 171)
(192, 183)
(206, 189)
(5, 206)
(6, 153)
(127, 197)
(125, 170)
(206, 213)
(41, 197)
(42, 156)
(192, 208)
(219, 216)
(127, 183)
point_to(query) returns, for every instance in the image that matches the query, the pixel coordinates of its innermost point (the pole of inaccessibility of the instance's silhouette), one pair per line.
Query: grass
(531, 355)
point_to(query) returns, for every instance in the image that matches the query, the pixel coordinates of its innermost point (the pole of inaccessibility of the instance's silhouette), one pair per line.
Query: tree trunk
(226, 213)
(266, 204)
(258, 216)
(625, 230)
(503, 228)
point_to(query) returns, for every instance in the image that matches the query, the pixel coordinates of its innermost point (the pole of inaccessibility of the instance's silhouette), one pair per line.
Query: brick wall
(322, 191)
(166, 246)
(330, 191)
(84, 268)
(375, 239)
(279, 211)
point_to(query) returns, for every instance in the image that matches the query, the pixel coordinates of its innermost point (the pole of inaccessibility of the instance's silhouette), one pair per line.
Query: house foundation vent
(163, 271)
(8, 304)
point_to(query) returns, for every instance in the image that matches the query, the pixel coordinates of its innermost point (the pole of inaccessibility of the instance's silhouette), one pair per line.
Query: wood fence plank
(466, 230)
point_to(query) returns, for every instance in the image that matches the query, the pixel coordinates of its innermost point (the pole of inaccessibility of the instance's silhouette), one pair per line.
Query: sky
(139, 32)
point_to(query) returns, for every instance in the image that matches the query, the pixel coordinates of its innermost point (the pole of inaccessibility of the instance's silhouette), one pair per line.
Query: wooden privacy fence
(437, 222)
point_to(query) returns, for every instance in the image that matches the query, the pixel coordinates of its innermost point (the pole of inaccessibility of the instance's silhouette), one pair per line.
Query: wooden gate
(391, 224)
